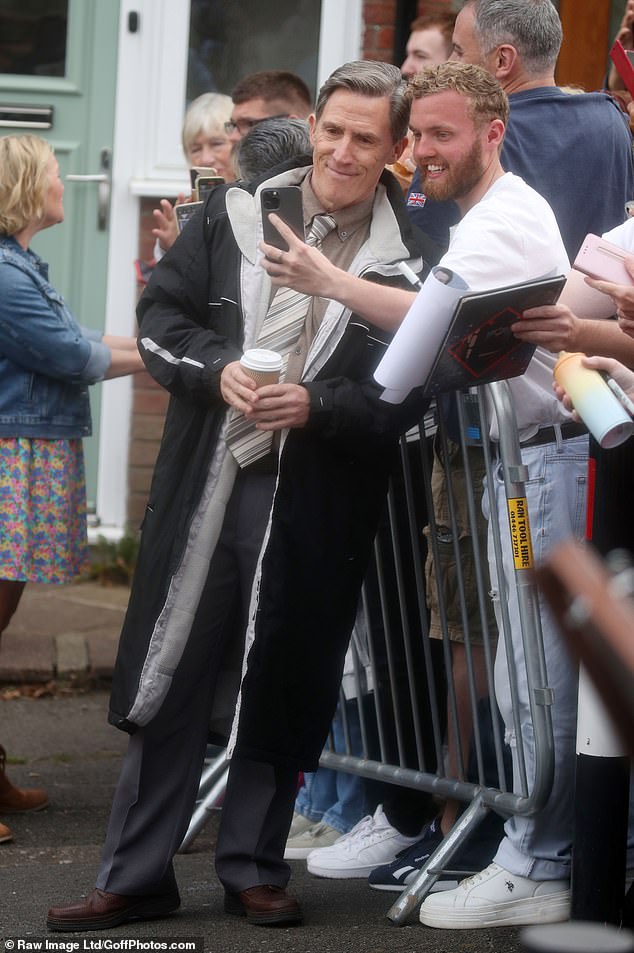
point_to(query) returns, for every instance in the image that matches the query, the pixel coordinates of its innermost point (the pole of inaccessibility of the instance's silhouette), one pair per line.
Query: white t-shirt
(622, 235)
(511, 236)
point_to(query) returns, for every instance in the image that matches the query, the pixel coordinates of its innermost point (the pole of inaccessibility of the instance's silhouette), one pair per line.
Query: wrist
(575, 340)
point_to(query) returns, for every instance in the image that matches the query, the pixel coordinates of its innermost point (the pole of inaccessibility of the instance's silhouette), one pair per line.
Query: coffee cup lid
(261, 359)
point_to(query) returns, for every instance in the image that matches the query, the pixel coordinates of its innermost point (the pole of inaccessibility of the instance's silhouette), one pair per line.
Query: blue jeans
(335, 797)
(539, 847)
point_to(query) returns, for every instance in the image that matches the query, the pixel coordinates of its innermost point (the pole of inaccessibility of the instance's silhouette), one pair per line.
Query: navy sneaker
(409, 862)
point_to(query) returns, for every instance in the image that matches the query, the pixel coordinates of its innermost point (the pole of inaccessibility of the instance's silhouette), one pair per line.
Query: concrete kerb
(68, 633)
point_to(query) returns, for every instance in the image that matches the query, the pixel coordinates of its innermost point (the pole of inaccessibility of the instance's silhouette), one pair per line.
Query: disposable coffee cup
(262, 365)
(606, 419)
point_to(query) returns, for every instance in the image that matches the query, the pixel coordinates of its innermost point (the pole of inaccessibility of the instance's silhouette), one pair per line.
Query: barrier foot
(410, 900)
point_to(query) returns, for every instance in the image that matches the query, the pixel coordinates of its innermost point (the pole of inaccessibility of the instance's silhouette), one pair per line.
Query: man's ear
(495, 133)
(312, 122)
(399, 148)
(504, 62)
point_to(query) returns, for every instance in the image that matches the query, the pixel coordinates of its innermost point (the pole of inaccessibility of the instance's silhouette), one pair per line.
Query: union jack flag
(416, 198)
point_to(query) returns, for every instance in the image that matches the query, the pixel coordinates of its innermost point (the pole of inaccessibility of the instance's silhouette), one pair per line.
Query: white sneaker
(318, 836)
(371, 842)
(299, 824)
(496, 898)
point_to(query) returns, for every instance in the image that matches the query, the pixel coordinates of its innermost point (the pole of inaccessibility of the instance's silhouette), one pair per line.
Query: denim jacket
(46, 359)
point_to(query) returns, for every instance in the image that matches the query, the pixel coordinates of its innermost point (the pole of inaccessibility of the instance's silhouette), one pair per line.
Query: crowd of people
(251, 565)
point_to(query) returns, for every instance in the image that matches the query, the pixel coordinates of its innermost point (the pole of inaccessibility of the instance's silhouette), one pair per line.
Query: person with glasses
(267, 94)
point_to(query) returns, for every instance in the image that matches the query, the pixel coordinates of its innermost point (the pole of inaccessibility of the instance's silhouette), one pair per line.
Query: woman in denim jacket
(47, 362)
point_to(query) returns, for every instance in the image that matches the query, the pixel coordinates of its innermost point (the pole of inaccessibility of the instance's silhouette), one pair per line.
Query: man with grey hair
(312, 488)
(575, 150)
(269, 143)
(531, 27)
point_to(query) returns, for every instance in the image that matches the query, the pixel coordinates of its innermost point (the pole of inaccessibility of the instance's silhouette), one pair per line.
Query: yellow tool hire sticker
(520, 533)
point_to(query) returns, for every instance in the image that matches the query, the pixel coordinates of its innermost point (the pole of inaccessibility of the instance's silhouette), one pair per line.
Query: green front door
(58, 61)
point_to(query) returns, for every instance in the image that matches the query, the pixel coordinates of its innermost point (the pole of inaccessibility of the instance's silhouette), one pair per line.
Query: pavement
(62, 742)
(65, 634)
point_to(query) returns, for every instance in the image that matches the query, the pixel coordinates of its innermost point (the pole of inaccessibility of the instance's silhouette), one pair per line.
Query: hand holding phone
(287, 203)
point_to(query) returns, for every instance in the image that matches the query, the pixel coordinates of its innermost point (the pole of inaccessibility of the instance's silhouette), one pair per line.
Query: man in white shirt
(507, 234)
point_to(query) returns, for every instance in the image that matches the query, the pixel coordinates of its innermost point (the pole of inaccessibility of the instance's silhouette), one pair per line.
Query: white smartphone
(603, 260)
(200, 170)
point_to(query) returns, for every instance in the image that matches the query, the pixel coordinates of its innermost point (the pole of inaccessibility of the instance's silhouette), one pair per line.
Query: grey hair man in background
(574, 150)
(269, 143)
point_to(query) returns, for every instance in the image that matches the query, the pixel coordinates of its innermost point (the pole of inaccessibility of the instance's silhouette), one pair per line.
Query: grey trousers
(254, 822)
(156, 792)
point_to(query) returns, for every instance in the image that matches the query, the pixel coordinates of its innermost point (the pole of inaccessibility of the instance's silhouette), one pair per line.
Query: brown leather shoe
(5, 834)
(18, 800)
(264, 905)
(103, 911)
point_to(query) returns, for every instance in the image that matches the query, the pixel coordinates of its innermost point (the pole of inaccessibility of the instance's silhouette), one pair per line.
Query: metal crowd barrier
(403, 713)
(398, 554)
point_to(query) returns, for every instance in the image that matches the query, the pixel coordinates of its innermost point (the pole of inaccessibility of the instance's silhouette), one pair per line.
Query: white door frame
(148, 161)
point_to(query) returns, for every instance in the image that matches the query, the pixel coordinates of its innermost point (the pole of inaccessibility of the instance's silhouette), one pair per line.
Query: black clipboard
(479, 346)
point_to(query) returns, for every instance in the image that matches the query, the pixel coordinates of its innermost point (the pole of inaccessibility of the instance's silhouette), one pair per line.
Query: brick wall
(148, 405)
(150, 400)
(379, 17)
(148, 412)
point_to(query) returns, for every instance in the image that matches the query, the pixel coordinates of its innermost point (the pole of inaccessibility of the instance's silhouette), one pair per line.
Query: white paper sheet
(410, 357)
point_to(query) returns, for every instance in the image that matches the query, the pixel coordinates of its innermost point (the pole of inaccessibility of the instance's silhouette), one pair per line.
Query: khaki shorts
(449, 582)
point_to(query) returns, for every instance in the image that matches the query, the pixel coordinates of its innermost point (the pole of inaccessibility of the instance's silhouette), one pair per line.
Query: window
(617, 9)
(33, 37)
(157, 62)
(228, 40)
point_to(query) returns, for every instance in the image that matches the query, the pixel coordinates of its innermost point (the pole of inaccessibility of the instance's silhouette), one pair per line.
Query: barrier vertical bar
(540, 695)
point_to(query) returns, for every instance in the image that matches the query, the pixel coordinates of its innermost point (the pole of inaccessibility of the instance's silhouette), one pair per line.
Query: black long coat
(199, 310)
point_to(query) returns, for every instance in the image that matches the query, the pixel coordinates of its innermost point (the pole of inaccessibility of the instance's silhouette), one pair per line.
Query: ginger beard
(456, 180)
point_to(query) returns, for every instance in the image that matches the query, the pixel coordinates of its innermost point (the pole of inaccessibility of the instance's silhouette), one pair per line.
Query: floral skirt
(42, 510)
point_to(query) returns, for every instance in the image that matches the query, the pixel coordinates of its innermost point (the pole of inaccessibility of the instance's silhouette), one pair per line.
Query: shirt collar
(348, 219)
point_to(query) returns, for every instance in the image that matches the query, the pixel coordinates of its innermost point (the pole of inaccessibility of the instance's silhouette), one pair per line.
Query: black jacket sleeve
(352, 414)
(190, 329)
